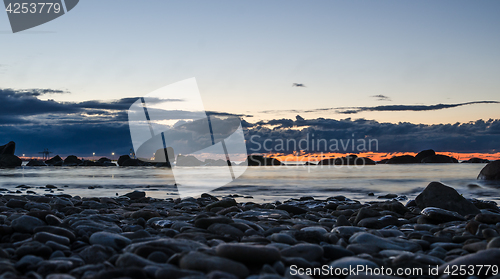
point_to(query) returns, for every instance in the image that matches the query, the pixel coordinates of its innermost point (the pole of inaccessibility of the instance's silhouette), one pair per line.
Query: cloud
(354, 110)
(475, 136)
(82, 128)
(381, 97)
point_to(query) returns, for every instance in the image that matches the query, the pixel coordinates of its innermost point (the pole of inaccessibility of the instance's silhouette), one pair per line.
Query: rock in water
(424, 154)
(405, 159)
(258, 160)
(72, 160)
(8, 149)
(54, 160)
(491, 171)
(10, 161)
(439, 159)
(441, 196)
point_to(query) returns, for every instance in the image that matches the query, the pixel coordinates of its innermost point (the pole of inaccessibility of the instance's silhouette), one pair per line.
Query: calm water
(262, 183)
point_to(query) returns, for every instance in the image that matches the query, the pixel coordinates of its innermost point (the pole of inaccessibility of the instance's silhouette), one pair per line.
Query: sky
(389, 63)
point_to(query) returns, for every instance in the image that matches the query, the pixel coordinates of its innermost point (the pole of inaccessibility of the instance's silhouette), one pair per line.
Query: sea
(256, 184)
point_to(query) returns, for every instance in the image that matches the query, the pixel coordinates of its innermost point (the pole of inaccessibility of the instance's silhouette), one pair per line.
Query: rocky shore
(134, 236)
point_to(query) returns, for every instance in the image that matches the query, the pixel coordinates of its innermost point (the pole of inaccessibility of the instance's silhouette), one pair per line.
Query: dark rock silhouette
(350, 160)
(164, 156)
(188, 161)
(55, 161)
(259, 160)
(72, 160)
(7, 157)
(491, 171)
(383, 161)
(122, 159)
(424, 154)
(103, 159)
(476, 161)
(36, 163)
(439, 159)
(8, 149)
(441, 196)
(126, 161)
(404, 159)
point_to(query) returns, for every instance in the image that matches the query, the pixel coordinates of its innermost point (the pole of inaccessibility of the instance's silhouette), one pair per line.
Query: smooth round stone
(57, 254)
(488, 218)
(352, 262)
(206, 263)
(494, 243)
(310, 252)
(474, 247)
(56, 246)
(174, 272)
(363, 249)
(27, 262)
(384, 243)
(58, 231)
(128, 260)
(251, 254)
(446, 245)
(53, 220)
(485, 257)
(441, 215)
(283, 238)
(315, 229)
(226, 230)
(334, 252)
(158, 257)
(112, 240)
(26, 224)
(59, 276)
(45, 236)
(96, 254)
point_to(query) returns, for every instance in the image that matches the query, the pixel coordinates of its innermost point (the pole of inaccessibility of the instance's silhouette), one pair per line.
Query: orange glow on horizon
(376, 156)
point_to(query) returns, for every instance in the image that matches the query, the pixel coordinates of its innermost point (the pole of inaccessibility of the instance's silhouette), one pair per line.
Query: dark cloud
(354, 110)
(381, 97)
(476, 136)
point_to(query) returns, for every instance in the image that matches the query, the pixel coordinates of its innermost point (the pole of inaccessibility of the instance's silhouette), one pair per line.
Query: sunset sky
(422, 62)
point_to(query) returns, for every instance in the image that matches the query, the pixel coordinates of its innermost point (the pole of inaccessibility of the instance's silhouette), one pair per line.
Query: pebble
(112, 240)
(249, 254)
(135, 236)
(26, 224)
(206, 263)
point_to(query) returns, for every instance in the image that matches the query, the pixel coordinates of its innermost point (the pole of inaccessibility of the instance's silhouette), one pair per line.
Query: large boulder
(56, 160)
(10, 161)
(491, 171)
(405, 159)
(439, 195)
(36, 163)
(72, 160)
(439, 159)
(424, 154)
(122, 159)
(8, 149)
(259, 160)
(7, 157)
